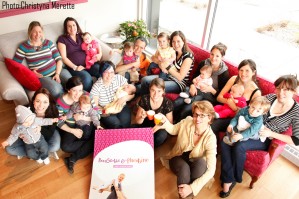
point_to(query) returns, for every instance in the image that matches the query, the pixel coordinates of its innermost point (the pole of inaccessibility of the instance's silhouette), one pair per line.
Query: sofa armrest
(10, 88)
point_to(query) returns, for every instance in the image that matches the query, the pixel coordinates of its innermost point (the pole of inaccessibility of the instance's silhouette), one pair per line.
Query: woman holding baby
(69, 46)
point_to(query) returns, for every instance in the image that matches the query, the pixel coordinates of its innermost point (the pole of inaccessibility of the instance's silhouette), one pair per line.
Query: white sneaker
(39, 161)
(184, 95)
(217, 115)
(46, 161)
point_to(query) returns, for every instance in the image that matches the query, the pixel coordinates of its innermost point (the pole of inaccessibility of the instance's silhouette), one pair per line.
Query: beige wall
(101, 15)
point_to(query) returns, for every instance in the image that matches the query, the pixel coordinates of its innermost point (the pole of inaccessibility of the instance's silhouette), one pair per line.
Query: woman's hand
(184, 190)
(38, 75)
(4, 144)
(193, 90)
(77, 132)
(265, 132)
(80, 68)
(205, 88)
(57, 78)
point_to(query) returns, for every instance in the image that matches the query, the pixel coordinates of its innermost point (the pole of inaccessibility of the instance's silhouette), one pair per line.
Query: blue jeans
(38, 150)
(119, 120)
(55, 88)
(86, 75)
(170, 86)
(18, 147)
(160, 137)
(153, 65)
(233, 158)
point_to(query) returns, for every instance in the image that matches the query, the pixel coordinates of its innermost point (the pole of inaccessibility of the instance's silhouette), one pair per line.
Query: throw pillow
(23, 75)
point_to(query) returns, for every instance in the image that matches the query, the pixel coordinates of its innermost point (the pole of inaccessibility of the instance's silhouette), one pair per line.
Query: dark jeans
(152, 66)
(86, 75)
(79, 148)
(220, 125)
(38, 150)
(119, 120)
(88, 131)
(233, 158)
(187, 171)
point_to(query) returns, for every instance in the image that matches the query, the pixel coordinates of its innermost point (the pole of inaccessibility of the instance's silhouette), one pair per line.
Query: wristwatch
(168, 67)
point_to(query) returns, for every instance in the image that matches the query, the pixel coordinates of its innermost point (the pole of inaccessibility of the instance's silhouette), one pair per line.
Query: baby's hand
(55, 120)
(99, 127)
(229, 129)
(62, 117)
(4, 144)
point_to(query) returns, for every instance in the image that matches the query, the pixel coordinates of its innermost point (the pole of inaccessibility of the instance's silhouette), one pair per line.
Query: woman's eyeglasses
(196, 115)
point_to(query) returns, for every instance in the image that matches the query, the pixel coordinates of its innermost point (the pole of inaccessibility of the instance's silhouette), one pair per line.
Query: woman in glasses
(43, 59)
(193, 158)
(103, 92)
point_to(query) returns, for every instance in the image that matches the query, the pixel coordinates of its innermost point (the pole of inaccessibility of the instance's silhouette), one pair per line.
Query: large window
(265, 31)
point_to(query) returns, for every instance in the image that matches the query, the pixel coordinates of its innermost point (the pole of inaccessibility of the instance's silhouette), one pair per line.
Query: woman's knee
(160, 137)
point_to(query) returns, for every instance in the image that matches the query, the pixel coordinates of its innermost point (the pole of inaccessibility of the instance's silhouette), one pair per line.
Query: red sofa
(256, 161)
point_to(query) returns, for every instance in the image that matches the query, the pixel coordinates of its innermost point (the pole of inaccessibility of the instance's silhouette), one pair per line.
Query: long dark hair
(252, 66)
(73, 82)
(79, 30)
(52, 111)
(182, 36)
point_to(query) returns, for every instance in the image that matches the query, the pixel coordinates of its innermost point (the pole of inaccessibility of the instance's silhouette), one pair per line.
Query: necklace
(199, 134)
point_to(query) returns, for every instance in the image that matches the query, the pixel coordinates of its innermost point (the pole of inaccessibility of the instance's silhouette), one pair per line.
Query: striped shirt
(281, 123)
(63, 109)
(178, 63)
(42, 60)
(106, 93)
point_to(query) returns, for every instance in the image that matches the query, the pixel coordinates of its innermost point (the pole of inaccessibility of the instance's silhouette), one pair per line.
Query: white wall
(102, 16)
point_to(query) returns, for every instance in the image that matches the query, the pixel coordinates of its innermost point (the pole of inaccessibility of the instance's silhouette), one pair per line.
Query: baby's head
(237, 90)
(86, 37)
(206, 72)
(84, 102)
(258, 106)
(24, 116)
(121, 177)
(163, 40)
(129, 48)
(130, 89)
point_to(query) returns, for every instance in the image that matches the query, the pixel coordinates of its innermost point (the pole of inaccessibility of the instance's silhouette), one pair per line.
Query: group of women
(193, 158)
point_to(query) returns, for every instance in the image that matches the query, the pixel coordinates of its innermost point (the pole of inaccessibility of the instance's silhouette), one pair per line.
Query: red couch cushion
(23, 75)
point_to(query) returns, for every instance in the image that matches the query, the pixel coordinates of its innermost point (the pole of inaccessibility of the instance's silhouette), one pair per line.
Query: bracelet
(168, 67)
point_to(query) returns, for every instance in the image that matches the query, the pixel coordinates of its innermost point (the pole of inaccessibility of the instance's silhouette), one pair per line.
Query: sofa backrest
(202, 54)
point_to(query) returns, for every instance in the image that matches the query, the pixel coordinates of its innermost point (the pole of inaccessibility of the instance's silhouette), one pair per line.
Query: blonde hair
(30, 28)
(205, 107)
(263, 101)
(84, 99)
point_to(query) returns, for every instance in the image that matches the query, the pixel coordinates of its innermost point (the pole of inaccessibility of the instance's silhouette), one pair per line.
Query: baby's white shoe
(39, 161)
(184, 95)
(46, 161)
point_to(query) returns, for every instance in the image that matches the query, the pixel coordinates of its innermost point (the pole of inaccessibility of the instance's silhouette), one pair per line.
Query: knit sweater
(42, 59)
(206, 148)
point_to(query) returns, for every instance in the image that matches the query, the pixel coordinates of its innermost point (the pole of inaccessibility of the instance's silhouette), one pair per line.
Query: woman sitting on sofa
(43, 105)
(43, 59)
(247, 78)
(219, 75)
(283, 113)
(103, 92)
(69, 46)
(178, 72)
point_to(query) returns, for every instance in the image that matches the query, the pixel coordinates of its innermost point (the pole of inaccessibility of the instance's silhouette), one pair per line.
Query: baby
(84, 107)
(165, 54)
(204, 79)
(28, 126)
(236, 92)
(130, 57)
(91, 48)
(114, 107)
(247, 122)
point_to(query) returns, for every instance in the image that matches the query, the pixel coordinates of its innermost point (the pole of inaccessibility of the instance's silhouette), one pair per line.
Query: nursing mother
(43, 59)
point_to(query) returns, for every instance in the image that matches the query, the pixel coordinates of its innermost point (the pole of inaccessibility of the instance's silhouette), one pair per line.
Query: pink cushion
(256, 162)
(172, 96)
(23, 75)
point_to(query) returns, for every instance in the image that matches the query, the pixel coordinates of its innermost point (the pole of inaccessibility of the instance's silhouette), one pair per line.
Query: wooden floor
(26, 179)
